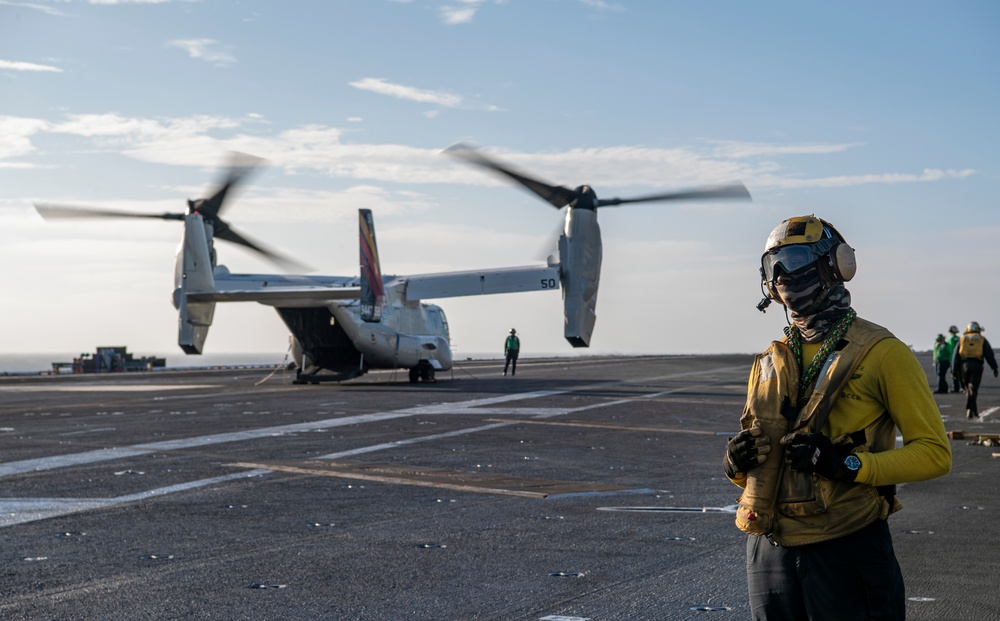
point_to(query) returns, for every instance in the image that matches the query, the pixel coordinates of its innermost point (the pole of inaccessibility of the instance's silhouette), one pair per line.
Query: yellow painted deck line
(604, 425)
(476, 482)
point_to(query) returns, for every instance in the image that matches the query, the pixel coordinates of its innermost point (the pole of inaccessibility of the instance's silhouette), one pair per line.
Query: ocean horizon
(39, 363)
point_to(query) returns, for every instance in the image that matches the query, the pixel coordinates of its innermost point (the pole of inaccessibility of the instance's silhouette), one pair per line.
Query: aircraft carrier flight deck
(580, 489)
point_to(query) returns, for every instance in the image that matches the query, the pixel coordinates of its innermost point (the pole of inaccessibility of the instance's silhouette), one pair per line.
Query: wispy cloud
(927, 175)
(32, 6)
(320, 149)
(602, 5)
(409, 93)
(761, 149)
(15, 65)
(463, 11)
(208, 50)
(113, 124)
(135, 1)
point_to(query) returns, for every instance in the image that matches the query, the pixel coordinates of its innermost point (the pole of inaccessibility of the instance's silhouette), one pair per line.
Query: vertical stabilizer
(372, 291)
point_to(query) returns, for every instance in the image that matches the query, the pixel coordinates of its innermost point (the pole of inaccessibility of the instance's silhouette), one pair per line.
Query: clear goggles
(792, 258)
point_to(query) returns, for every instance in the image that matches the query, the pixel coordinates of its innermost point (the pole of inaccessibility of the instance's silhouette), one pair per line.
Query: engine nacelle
(194, 272)
(580, 274)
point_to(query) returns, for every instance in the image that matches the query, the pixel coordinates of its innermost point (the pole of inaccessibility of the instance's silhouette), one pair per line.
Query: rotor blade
(737, 190)
(227, 233)
(52, 211)
(241, 165)
(555, 195)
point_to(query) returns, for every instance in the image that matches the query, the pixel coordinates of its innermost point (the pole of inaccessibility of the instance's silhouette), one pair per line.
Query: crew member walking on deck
(956, 374)
(511, 348)
(942, 362)
(817, 454)
(973, 349)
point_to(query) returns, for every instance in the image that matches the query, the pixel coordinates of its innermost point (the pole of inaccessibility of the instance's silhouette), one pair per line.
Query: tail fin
(372, 291)
(193, 273)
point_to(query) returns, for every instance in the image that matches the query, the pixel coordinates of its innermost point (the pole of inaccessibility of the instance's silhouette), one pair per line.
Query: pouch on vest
(805, 493)
(774, 388)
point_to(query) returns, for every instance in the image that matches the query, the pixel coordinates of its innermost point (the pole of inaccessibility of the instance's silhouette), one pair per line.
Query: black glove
(745, 450)
(814, 452)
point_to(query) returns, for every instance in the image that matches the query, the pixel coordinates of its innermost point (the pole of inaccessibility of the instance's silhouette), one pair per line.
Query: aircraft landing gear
(422, 371)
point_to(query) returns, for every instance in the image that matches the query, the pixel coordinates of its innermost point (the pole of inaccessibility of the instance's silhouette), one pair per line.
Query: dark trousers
(511, 362)
(942, 373)
(972, 373)
(852, 578)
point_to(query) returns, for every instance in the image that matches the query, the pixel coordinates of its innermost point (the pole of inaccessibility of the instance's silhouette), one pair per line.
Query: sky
(880, 117)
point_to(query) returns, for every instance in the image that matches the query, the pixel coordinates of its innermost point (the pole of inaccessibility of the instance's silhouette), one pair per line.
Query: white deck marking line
(399, 443)
(77, 459)
(536, 412)
(9, 506)
(106, 388)
(21, 510)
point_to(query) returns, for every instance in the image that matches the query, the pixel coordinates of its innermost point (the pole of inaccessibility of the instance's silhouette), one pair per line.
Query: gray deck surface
(582, 488)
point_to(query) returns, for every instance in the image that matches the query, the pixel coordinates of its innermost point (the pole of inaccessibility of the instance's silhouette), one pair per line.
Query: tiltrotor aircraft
(343, 326)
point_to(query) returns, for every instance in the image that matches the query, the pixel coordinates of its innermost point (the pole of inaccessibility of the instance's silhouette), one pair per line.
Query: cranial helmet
(799, 242)
(513, 331)
(953, 329)
(974, 327)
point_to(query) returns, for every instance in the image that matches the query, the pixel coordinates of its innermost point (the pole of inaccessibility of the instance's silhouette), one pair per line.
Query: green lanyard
(808, 377)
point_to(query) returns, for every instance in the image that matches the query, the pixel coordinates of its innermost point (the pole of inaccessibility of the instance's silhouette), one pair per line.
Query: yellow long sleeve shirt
(890, 379)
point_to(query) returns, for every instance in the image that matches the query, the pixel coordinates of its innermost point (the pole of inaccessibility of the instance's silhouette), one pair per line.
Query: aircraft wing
(481, 282)
(279, 296)
(278, 290)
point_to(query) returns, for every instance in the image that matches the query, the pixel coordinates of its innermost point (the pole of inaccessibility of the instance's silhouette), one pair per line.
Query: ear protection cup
(845, 264)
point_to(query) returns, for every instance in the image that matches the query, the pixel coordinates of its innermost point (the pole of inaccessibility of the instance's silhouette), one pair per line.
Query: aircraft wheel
(414, 375)
(427, 373)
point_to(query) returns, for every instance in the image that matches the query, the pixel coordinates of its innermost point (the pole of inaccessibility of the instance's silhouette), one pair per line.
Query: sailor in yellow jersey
(817, 456)
(972, 351)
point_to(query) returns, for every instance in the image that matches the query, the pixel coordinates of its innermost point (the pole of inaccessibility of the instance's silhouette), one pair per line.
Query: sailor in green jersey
(511, 349)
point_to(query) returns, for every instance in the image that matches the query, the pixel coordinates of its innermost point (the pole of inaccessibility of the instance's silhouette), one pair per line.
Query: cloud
(134, 1)
(461, 13)
(208, 50)
(23, 66)
(602, 5)
(409, 93)
(15, 136)
(319, 149)
(113, 124)
(927, 175)
(755, 149)
(34, 7)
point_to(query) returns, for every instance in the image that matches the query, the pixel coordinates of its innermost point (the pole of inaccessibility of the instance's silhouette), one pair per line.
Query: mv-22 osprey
(343, 326)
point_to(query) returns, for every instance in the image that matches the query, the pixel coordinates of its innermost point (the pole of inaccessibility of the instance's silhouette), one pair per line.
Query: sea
(35, 364)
